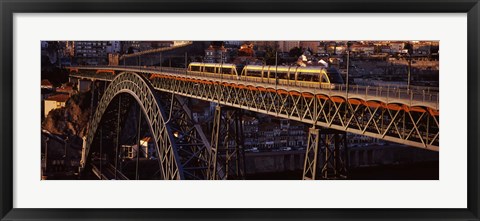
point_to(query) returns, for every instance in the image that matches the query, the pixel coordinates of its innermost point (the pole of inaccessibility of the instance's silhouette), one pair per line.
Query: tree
(270, 54)
(409, 47)
(233, 53)
(130, 50)
(295, 52)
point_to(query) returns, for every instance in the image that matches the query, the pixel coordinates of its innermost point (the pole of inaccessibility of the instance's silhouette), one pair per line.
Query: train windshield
(334, 76)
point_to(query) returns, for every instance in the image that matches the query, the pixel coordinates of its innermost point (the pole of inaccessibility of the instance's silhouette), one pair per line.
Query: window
(226, 70)
(194, 68)
(302, 76)
(130, 152)
(254, 73)
(210, 69)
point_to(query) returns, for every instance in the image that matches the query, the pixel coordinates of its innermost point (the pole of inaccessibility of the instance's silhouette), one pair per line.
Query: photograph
(240, 110)
(234, 110)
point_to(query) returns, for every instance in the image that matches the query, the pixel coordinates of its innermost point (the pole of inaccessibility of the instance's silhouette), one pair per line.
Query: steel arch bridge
(407, 121)
(175, 162)
(142, 91)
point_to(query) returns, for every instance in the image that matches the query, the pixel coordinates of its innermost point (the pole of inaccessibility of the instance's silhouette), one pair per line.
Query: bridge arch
(144, 94)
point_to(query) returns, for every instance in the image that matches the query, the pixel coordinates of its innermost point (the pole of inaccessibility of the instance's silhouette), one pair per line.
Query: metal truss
(144, 94)
(193, 146)
(227, 159)
(311, 154)
(327, 151)
(395, 120)
(411, 125)
(107, 163)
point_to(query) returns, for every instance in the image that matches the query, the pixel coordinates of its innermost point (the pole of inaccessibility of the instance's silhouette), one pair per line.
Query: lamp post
(186, 61)
(410, 51)
(46, 153)
(348, 65)
(221, 65)
(276, 69)
(65, 148)
(409, 71)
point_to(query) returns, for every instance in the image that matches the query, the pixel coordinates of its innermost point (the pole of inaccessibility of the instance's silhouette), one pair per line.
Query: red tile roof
(58, 97)
(67, 89)
(46, 82)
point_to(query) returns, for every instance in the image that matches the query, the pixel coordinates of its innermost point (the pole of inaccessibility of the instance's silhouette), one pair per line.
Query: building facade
(54, 102)
(286, 46)
(216, 54)
(91, 52)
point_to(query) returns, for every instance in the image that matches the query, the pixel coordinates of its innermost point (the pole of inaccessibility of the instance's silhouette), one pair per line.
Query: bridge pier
(326, 154)
(227, 156)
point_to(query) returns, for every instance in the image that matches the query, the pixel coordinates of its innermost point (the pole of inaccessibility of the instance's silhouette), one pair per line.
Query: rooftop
(58, 97)
(67, 89)
(46, 82)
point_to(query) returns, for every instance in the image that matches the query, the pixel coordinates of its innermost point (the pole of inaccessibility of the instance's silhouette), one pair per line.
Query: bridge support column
(326, 154)
(227, 156)
(311, 153)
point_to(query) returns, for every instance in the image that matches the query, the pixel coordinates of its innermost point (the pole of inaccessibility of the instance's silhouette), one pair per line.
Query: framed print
(239, 110)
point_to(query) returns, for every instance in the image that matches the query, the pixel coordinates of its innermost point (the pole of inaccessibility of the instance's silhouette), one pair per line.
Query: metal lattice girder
(311, 154)
(405, 121)
(193, 146)
(227, 159)
(415, 126)
(333, 147)
(326, 151)
(142, 91)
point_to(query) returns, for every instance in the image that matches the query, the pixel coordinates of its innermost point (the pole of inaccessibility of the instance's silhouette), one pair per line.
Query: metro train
(312, 76)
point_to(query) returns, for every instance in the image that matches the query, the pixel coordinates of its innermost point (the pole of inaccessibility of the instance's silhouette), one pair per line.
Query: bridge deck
(417, 96)
(391, 114)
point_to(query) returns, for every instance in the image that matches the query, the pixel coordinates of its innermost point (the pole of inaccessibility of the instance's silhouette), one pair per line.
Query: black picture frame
(9, 7)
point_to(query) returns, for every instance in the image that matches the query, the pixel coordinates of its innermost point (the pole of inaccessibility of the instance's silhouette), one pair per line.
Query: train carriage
(313, 76)
(292, 75)
(227, 70)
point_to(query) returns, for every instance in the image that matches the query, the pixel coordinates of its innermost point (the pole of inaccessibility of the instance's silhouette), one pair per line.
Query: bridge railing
(393, 92)
(419, 94)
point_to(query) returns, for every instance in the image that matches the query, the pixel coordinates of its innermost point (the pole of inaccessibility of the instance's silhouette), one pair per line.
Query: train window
(292, 75)
(315, 77)
(195, 68)
(226, 70)
(210, 69)
(280, 75)
(254, 73)
(301, 76)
